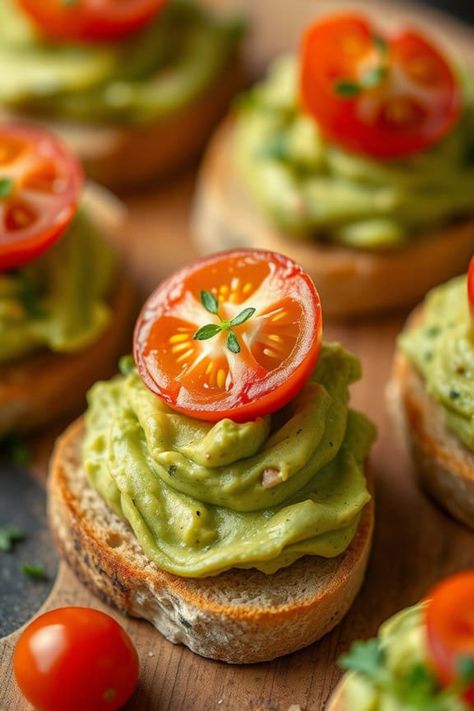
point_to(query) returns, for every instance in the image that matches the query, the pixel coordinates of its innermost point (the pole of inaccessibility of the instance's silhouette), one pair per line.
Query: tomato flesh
(40, 186)
(385, 96)
(449, 617)
(470, 286)
(75, 659)
(279, 344)
(90, 20)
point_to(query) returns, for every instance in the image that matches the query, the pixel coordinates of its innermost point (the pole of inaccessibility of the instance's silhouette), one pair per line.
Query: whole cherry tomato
(384, 95)
(40, 186)
(76, 659)
(236, 335)
(90, 20)
(449, 616)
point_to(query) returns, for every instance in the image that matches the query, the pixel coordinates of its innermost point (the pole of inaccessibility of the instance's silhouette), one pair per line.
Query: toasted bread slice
(45, 386)
(126, 157)
(240, 616)
(351, 282)
(444, 465)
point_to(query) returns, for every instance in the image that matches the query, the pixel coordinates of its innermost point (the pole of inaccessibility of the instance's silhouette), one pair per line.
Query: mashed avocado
(57, 301)
(442, 349)
(314, 189)
(194, 492)
(397, 677)
(148, 76)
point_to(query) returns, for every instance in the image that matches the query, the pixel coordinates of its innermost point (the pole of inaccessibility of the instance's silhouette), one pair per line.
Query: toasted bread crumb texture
(444, 465)
(195, 493)
(238, 616)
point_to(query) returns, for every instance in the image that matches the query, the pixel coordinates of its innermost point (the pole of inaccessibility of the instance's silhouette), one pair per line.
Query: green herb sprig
(371, 78)
(210, 303)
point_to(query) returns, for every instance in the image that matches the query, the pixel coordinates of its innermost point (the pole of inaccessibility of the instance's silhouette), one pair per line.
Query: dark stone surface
(22, 504)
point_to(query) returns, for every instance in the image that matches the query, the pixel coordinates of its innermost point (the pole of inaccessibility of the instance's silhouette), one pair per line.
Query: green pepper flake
(347, 88)
(126, 365)
(35, 572)
(454, 394)
(6, 187)
(8, 536)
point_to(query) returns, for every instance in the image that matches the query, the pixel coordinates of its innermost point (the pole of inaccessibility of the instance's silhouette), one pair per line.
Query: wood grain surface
(415, 542)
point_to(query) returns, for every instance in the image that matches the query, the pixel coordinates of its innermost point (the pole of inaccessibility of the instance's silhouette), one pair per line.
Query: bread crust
(47, 386)
(351, 282)
(445, 467)
(125, 157)
(238, 616)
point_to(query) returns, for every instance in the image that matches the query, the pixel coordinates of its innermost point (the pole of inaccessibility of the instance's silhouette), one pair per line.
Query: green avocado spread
(205, 497)
(392, 672)
(148, 76)
(441, 347)
(58, 300)
(314, 189)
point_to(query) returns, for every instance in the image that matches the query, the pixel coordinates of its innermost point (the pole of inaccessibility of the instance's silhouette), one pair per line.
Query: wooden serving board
(415, 542)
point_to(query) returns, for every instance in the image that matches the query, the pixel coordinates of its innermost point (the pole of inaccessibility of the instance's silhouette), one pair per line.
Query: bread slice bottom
(240, 616)
(46, 386)
(351, 282)
(444, 465)
(125, 157)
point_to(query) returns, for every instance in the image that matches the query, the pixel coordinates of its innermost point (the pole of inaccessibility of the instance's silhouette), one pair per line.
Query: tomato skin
(411, 108)
(470, 286)
(449, 619)
(89, 20)
(46, 180)
(75, 659)
(257, 386)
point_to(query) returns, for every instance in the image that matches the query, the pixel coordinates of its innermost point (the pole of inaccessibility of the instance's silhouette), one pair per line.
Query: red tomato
(449, 617)
(470, 286)
(387, 96)
(90, 20)
(279, 342)
(75, 659)
(40, 185)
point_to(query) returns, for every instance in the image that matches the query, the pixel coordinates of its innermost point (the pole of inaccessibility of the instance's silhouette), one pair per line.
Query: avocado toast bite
(422, 659)
(356, 159)
(217, 487)
(133, 87)
(433, 392)
(64, 305)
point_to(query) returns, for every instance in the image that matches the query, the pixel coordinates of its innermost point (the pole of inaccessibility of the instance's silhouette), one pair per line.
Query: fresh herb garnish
(465, 670)
(347, 88)
(8, 536)
(211, 305)
(371, 78)
(366, 658)
(126, 365)
(35, 572)
(6, 187)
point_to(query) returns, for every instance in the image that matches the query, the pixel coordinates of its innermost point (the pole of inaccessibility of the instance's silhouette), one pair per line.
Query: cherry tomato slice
(470, 286)
(75, 659)
(208, 379)
(449, 617)
(386, 96)
(40, 185)
(90, 20)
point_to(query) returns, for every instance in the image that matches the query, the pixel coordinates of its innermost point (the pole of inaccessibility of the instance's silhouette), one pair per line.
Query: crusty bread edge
(232, 633)
(351, 282)
(445, 467)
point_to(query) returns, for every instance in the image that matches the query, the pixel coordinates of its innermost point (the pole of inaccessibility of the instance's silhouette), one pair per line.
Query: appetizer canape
(63, 309)
(422, 660)
(433, 390)
(217, 487)
(133, 87)
(356, 159)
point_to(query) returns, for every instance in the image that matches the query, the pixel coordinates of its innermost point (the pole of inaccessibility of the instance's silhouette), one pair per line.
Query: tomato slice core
(90, 20)
(279, 344)
(449, 617)
(40, 185)
(470, 286)
(384, 95)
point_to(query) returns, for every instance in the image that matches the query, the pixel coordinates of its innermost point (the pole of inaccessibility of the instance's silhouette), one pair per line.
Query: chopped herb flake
(8, 536)
(35, 572)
